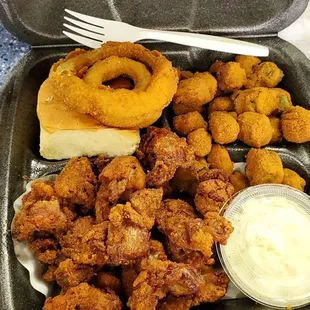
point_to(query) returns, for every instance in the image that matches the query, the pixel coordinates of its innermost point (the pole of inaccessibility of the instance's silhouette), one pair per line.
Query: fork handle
(209, 42)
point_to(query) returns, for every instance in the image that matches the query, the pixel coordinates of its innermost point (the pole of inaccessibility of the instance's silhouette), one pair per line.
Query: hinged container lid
(39, 22)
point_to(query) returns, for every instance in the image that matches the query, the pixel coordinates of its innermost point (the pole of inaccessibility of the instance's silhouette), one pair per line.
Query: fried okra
(293, 179)
(219, 158)
(239, 181)
(186, 123)
(266, 74)
(220, 104)
(255, 129)
(276, 130)
(231, 76)
(194, 92)
(263, 166)
(262, 100)
(248, 63)
(296, 125)
(200, 141)
(224, 127)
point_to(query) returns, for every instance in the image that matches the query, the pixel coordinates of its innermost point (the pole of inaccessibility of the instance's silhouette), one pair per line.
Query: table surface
(11, 50)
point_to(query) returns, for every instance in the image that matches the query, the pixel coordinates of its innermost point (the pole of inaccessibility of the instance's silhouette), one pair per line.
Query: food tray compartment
(22, 162)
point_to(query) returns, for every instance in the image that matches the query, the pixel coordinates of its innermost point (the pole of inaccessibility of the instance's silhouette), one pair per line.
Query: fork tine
(82, 40)
(86, 18)
(86, 33)
(84, 25)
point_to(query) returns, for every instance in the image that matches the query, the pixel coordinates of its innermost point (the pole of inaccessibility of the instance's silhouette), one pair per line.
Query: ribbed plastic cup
(267, 257)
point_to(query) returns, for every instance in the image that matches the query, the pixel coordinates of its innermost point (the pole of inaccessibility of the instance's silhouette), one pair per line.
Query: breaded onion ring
(116, 107)
(113, 67)
(120, 82)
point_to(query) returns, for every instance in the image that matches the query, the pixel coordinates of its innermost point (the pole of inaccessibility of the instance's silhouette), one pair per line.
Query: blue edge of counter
(11, 50)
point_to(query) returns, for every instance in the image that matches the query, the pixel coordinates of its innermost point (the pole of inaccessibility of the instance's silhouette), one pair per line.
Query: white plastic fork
(93, 31)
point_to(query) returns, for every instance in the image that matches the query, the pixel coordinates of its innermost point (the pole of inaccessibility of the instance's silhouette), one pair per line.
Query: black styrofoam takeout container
(39, 22)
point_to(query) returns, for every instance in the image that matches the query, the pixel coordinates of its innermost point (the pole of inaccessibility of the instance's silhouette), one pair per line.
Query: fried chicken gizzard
(77, 183)
(187, 179)
(189, 238)
(130, 272)
(158, 278)
(162, 151)
(177, 221)
(213, 191)
(169, 285)
(70, 274)
(84, 297)
(86, 220)
(129, 225)
(40, 212)
(108, 281)
(214, 287)
(85, 242)
(43, 219)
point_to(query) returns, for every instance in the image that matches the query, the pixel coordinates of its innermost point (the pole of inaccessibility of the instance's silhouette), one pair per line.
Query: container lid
(267, 256)
(39, 22)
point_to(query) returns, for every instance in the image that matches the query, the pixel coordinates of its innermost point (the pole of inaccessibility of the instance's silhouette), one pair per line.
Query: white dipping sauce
(268, 254)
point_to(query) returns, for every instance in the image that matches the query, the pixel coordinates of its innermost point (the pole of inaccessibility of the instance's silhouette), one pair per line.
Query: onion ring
(112, 67)
(120, 82)
(120, 108)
